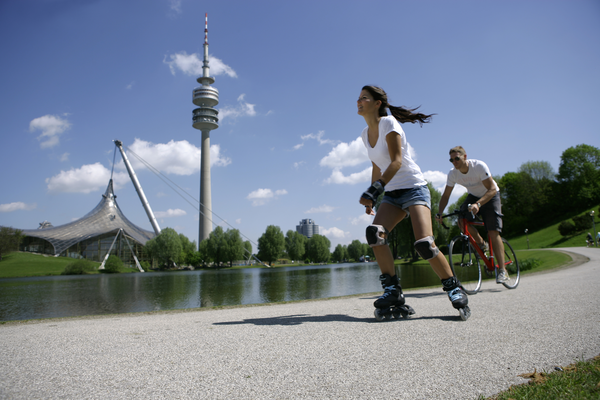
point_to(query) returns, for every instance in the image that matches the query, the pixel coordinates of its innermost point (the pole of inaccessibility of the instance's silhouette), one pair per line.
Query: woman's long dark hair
(402, 114)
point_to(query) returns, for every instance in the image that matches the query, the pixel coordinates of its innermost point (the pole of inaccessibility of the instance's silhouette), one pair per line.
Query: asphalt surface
(315, 349)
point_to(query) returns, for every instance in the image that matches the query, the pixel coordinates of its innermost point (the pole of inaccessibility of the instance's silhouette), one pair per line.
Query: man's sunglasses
(455, 159)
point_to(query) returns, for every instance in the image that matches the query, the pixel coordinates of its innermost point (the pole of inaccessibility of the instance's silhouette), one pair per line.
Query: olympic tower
(205, 119)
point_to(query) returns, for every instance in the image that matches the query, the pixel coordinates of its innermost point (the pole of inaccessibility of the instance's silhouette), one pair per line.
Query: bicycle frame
(464, 269)
(489, 262)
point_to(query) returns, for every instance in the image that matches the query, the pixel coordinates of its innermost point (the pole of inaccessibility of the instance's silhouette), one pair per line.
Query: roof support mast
(138, 188)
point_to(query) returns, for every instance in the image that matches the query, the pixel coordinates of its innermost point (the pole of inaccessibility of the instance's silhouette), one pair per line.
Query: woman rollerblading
(399, 178)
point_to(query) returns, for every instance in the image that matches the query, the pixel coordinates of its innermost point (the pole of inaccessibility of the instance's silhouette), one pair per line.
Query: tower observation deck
(205, 118)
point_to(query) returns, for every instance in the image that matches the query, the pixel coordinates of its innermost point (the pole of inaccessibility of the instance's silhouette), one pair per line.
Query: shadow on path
(302, 318)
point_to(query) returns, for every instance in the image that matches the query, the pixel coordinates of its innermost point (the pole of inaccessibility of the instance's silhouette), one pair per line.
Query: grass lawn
(576, 381)
(550, 237)
(16, 265)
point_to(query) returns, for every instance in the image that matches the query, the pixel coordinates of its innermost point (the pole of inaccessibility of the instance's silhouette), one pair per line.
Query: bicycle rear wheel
(465, 264)
(512, 266)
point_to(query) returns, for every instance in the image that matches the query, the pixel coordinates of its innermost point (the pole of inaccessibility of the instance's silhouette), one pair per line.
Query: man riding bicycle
(484, 198)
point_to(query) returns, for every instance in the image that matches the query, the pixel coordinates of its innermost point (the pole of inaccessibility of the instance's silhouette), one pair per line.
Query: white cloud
(339, 178)
(321, 209)
(178, 158)
(89, 178)
(175, 5)
(52, 127)
(65, 157)
(299, 164)
(170, 213)
(16, 206)
(261, 197)
(243, 109)
(191, 64)
(346, 155)
(318, 137)
(130, 86)
(238, 221)
(333, 232)
(298, 146)
(437, 179)
(364, 219)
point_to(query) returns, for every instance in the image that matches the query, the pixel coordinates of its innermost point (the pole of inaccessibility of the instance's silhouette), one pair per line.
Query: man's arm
(444, 202)
(491, 192)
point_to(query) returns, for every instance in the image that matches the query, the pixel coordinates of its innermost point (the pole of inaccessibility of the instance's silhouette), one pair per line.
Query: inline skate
(391, 302)
(457, 296)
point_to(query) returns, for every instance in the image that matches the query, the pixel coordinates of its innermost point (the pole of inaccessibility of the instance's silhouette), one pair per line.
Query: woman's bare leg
(420, 217)
(388, 216)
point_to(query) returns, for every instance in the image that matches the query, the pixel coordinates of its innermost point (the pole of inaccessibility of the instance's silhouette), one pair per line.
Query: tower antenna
(206, 28)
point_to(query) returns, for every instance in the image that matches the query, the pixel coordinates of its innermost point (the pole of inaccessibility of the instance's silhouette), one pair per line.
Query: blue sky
(511, 81)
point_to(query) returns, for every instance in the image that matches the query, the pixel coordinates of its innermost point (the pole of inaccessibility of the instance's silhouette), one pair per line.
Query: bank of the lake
(22, 265)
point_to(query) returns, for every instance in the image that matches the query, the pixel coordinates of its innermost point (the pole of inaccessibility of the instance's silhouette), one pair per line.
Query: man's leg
(498, 247)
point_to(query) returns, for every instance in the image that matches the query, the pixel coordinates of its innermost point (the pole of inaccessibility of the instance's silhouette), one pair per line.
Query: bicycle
(465, 257)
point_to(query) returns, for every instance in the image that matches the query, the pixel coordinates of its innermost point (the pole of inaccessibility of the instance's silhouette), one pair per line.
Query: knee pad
(377, 235)
(425, 248)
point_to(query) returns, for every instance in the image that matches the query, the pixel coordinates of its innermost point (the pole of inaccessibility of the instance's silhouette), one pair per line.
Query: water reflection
(68, 296)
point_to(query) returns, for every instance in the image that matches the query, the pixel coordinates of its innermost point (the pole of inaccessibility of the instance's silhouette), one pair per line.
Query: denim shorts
(404, 198)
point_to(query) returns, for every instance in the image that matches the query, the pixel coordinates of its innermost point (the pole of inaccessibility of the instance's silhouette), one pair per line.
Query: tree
(317, 248)
(271, 244)
(579, 176)
(216, 246)
(188, 250)
(538, 170)
(234, 246)
(165, 247)
(519, 200)
(247, 249)
(440, 234)
(295, 243)
(9, 240)
(340, 254)
(356, 250)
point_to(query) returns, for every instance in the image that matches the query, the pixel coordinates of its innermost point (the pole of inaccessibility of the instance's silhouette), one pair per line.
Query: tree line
(532, 198)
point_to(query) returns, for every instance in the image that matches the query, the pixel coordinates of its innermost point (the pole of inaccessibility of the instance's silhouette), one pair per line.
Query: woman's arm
(394, 145)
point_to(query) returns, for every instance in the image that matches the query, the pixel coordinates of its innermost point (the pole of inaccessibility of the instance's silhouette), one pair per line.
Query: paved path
(315, 349)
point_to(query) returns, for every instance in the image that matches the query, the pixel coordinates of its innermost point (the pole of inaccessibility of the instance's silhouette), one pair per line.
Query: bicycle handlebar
(457, 212)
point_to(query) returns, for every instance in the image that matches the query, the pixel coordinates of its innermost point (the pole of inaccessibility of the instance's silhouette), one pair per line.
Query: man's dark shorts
(490, 212)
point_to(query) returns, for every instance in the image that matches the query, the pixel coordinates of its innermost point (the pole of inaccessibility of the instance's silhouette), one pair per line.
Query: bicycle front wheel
(465, 264)
(512, 266)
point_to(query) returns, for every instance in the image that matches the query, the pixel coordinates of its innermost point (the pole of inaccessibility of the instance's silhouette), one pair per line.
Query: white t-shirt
(409, 175)
(478, 172)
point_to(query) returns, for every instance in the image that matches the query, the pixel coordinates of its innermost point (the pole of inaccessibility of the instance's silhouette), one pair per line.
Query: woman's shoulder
(388, 124)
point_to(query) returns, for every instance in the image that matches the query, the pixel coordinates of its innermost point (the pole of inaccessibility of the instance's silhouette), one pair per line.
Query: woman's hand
(368, 206)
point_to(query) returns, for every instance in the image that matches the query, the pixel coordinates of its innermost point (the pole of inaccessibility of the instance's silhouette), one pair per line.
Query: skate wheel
(397, 314)
(408, 311)
(378, 315)
(465, 313)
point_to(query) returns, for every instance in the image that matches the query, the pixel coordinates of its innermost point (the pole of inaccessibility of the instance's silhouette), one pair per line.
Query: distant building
(307, 228)
(92, 235)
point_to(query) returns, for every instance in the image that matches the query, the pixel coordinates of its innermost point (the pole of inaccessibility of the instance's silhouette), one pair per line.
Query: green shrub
(529, 263)
(145, 265)
(566, 228)
(113, 264)
(79, 267)
(582, 222)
